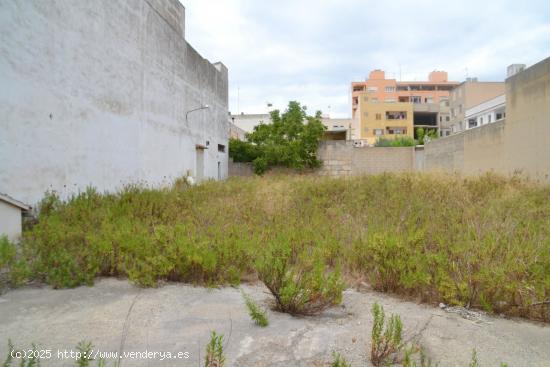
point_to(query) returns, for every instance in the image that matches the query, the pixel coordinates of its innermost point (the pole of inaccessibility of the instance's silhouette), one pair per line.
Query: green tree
(422, 134)
(291, 140)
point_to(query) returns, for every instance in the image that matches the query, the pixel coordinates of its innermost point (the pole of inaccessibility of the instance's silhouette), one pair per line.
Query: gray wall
(95, 93)
(341, 158)
(240, 169)
(519, 144)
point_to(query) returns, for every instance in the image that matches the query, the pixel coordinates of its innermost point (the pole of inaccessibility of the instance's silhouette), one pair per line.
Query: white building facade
(100, 93)
(486, 112)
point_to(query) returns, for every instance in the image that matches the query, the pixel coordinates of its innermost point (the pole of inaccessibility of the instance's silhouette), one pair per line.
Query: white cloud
(310, 50)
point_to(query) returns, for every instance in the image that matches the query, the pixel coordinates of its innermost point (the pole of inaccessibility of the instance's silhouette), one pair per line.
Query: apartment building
(486, 112)
(429, 99)
(385, 120)
(465, 96)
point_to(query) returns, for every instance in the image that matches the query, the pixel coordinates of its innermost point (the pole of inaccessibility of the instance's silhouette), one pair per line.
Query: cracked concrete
(178, 318)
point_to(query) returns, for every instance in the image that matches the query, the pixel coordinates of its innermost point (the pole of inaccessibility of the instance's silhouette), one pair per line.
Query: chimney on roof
(514, 69)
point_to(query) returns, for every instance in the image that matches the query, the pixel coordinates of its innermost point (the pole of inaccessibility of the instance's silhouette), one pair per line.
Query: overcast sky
(310, 50)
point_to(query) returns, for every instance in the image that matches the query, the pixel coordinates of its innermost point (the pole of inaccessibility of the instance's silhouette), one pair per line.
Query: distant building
(465, 96)
(11, 217)
(385, 120)
(513, 69)
(428, 99)
(247, 122)
(486, 112)
(338, 129)
(236, 132)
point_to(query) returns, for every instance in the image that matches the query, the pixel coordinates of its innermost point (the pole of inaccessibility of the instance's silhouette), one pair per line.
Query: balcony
(396, 115)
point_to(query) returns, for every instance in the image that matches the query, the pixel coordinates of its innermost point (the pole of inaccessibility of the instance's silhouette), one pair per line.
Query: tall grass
(481, 242)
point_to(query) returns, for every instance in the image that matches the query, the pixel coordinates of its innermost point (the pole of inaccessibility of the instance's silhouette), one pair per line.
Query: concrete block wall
(341, 158)
(95, 93)
(240, 169)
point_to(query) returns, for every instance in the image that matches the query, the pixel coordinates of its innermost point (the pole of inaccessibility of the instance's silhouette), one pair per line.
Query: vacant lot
(480, 242)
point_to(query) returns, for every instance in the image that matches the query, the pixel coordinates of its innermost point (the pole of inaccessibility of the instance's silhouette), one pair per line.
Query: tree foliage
(291, 140)
(405, 141)
(423, 136)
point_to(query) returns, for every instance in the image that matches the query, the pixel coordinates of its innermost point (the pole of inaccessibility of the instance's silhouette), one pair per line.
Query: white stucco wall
(10, 221)
(95, 93)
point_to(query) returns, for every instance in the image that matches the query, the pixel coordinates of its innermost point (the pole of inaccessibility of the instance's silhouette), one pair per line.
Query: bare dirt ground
(119, 317)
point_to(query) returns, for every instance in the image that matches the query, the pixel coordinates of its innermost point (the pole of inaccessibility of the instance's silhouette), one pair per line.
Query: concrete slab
(117, 316)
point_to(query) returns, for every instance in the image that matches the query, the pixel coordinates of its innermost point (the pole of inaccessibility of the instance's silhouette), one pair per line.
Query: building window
(379, 116)
(447, 118)
(396, 115)
(378, 132)
(374, 100)
(499, 115)
(416, 99)
(389, 100)
(355, 100)
(358, 88)
(372, 89)
(489, 119)
(221, 148)
(389, 89)
(397, 130)
(429, 100)
(472, 123)
(481, 120)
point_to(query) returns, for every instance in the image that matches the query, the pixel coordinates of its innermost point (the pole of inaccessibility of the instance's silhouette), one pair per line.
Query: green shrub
(404, 141)
(423, 360)
(477, 241)
(257, 315)
(214, 351)
(26, 360)
(14, 270)
(339, 361)
(300, 284)
(386, 337)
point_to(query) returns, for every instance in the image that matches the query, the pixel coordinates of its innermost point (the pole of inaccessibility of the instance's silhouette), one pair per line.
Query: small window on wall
(379, 116)
(397, 130)
(378, 132)
(221, 148)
